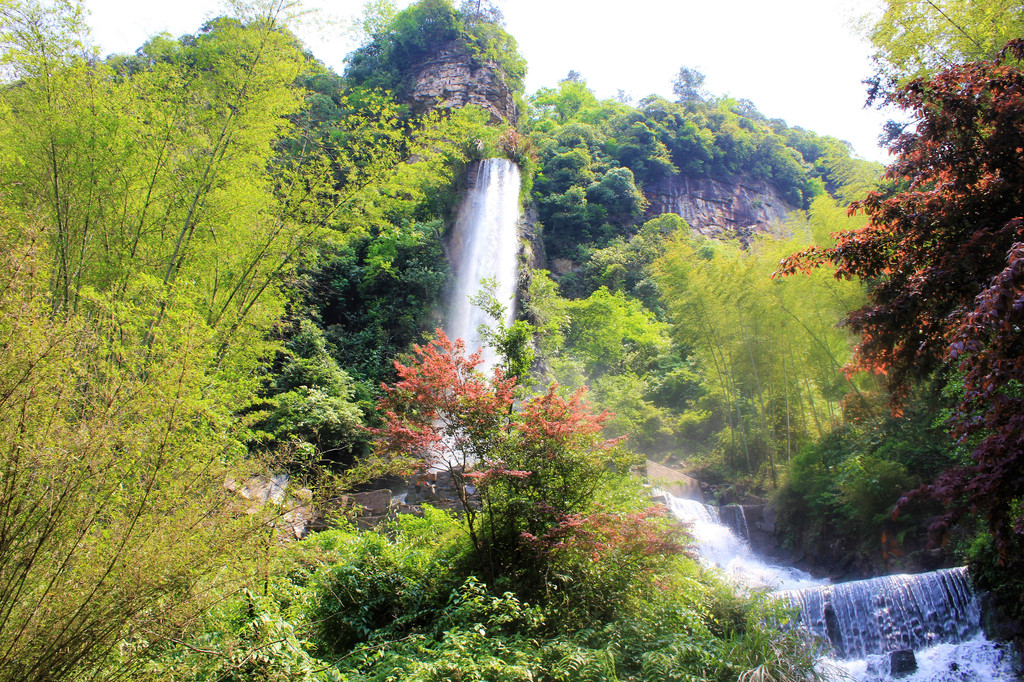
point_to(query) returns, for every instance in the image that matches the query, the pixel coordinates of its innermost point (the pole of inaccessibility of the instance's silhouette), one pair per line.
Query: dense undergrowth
(401, 604)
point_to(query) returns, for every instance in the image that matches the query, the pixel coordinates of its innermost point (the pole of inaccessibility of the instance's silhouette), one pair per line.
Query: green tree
(688, 86)
(914, 38)
(148, 228)
(313, 401)
(770, 356)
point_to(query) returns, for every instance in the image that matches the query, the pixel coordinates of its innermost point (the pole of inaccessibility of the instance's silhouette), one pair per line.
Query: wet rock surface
(674, 482)
(902, 663)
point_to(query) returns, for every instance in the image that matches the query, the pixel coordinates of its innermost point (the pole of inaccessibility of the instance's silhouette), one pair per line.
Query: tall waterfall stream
(935, 614)
(484, 246)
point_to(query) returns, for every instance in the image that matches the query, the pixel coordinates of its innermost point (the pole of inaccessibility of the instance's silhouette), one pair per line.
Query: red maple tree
(942, 255)
(522, 473)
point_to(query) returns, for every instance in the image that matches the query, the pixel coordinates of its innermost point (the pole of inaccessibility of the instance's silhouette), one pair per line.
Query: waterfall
(719, 545)
(890, 613)
(484, 245)
(862, 623)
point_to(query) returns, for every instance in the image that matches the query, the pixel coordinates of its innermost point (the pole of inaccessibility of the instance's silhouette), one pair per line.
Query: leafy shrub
(381, 588)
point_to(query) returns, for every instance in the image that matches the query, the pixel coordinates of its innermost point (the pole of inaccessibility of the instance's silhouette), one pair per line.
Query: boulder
(372, 503)
(902, 663)
(297, 515)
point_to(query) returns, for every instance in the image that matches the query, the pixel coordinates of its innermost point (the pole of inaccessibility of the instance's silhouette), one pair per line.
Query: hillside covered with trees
(222, 269)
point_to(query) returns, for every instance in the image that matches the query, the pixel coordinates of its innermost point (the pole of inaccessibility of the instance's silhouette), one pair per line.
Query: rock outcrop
(674, 482)
(453, 78)
(712, 207)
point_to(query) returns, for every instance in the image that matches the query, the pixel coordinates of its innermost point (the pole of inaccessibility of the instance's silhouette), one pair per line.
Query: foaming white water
(719, 546)
(484, 245)
(976, 660)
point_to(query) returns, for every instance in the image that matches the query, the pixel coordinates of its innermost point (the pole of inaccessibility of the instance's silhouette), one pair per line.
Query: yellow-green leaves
(769, 350)
(148, 223)
(914, 38)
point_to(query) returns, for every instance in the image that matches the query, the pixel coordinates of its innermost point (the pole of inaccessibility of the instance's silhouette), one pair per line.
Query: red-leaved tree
(942, 253)
(535, 467)
(442, 413)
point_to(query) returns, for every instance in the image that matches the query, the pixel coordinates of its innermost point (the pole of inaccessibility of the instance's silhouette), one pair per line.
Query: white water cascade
(484, 245)
(862, 623)
(720, 546)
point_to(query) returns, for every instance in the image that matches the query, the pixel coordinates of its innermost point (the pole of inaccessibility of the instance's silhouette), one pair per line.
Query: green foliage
(627, 265)
(384, 589)
(917, 38)
(596, 157)
(853, 477)
(689, 85)
(609, 332)
(148, 226)
(997, 570)
(407, 608)
(697, 350)
(312, 401)
(374, 296)
(868, 485)
(164, 211)
(610, 341)
(617, 194)
(116, 439)
(512, 342)
(253, 636)
(769, 350)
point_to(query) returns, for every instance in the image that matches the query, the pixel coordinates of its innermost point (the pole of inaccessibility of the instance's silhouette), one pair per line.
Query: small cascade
(890, 613)
(720, 546)
(734, 516)
(930, 619)
(484, 245)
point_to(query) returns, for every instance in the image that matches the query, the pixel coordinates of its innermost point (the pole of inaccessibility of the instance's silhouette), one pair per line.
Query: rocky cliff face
(452, 78)
(712, 207)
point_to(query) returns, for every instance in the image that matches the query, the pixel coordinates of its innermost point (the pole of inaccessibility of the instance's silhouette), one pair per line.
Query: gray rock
(902, 663)
(297, 515)
(712, 207)
(260, 489)
(374, 502)
(451, 78)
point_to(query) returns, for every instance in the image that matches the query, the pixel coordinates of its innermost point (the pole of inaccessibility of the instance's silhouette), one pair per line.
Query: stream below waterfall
(866, 626)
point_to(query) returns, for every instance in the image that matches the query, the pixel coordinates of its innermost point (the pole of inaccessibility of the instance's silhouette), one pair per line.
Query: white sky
(798, 60)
